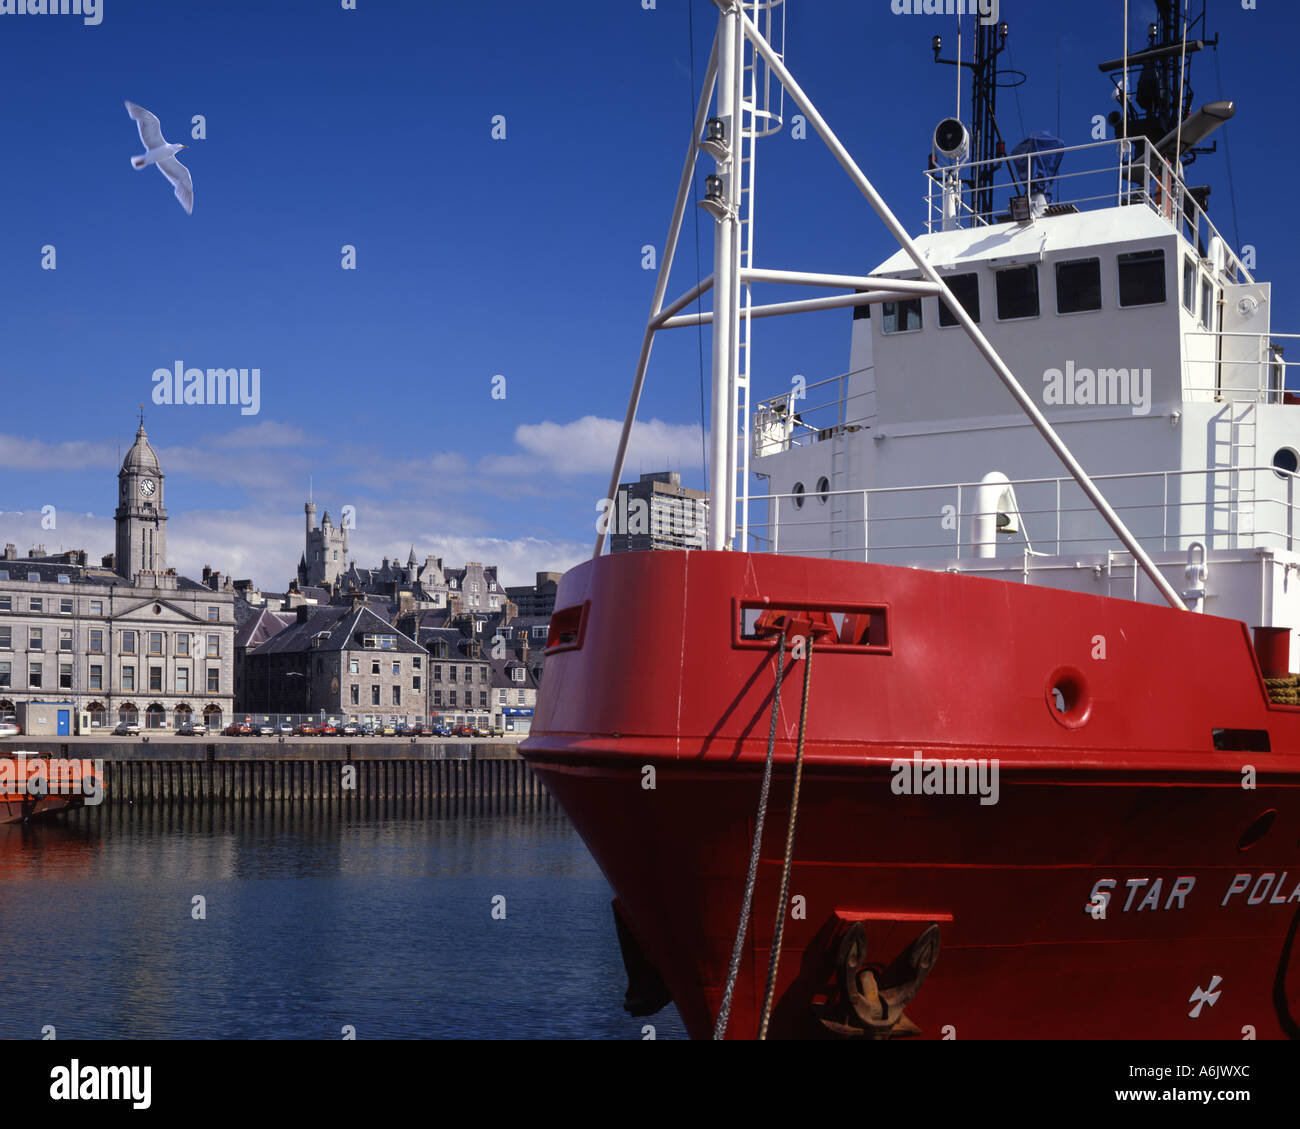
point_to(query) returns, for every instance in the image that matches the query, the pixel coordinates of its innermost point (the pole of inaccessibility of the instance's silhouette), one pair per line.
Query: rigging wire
(1227, 153)
(699, 306)
(1182, 95)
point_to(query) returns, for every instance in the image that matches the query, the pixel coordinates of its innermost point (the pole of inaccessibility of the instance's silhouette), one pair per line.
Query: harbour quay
(166, 771)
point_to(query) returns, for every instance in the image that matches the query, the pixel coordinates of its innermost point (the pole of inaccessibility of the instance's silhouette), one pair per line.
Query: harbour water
(314, 918)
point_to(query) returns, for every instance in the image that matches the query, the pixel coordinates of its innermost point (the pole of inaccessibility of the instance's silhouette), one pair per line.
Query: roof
(49, 569)
(342, 629)
(257, 629)
(141, 457)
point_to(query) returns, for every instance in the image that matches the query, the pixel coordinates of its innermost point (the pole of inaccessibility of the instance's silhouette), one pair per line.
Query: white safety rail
(812, 414)
(1114, 173)
(1166, 511)
(1247, 367)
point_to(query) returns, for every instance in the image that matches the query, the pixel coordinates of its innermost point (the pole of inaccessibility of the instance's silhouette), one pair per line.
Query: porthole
(1286, 460)
(798, 493)
(1068, 698)
(823, 489)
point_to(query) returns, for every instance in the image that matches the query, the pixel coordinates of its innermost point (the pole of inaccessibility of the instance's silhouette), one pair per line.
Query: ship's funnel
(1195, 129)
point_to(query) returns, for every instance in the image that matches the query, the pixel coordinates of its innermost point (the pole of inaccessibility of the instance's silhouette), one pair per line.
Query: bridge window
(1018, 293)
(1207, 304)
(901, 317)
(1142, 278)
(1078, 286)
(1189, 283)
(966, 289)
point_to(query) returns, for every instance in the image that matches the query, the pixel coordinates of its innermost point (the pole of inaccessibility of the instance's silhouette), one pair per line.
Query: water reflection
(312, 916)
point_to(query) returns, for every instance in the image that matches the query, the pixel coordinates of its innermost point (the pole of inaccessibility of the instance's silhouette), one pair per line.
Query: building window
(128, 678)
(155, 679)
(6, 638)
(451, 673)
(34, 676)
(128, 642)
(452, 694)
(437, 672)
(1142, 278)
(65, 639)
(901, 317)
(1017, 293)
(374, 667)
(65, 676)
(520, 697)
(539, 633)
(374, 695)
(65, 606)
(6, 603)
(155, 642)
(96, 641)
(35, 639)
(182, 680)
(397, 695)
(214, 615)
(415, 662)
(37, 604)
(6, 674)
(503, 696)
(482, 699)
(356, 693)
(397, 670)
(966, 289)
(437, 697)
(1078, 286)
(214, 679)
(214, 646)
(96, 607)
(96, 677)
(517, 674)
(354, 667)
(183, 645)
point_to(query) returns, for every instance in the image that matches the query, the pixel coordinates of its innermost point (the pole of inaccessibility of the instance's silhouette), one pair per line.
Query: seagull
(162, 154)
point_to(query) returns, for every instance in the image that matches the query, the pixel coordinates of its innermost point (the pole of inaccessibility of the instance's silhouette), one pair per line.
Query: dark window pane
(1142, 278)
(901, 317)
(966, 287)
(1078, 286)
(1189, 284)
(861, 312)
(1018, 293)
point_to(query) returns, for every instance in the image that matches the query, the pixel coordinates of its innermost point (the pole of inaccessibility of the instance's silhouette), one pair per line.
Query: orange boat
(34, 785)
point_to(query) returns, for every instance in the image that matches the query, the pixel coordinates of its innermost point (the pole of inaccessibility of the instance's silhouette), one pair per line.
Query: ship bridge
(1143, 338)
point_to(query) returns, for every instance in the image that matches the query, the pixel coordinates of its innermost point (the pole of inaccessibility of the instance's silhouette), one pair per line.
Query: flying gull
(162, 154)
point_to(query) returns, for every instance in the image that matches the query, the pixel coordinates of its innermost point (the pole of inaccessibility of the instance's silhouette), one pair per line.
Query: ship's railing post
(866, 530)
(957, 523)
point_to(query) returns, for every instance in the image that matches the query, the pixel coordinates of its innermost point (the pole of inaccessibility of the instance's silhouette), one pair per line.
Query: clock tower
(141, 516)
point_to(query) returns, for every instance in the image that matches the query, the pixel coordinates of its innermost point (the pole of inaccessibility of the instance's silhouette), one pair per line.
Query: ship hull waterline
(1125, 867)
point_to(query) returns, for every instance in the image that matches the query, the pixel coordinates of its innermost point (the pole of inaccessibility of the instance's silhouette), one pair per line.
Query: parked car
(266, 730)
(185, 730)
(389, 730)
(8, 729)
(497, 731)
(125, 730)
(464, 731)
(422, 730)
(308, 729)
(369, 729)
(351, 729)
(328, 730)
(284, 729)
(442, 729)
(482, 731)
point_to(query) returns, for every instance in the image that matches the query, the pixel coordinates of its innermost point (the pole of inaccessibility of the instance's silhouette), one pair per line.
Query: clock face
(147, 487)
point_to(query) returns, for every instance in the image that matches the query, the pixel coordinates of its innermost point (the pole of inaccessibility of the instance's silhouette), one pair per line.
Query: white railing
(1166, 510)
(1244, 366)
(812, 413)
(1119, 172)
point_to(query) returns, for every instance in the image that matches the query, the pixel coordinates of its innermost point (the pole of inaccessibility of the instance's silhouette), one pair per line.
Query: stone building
(340, 662)
(128, 640)
(537, 599)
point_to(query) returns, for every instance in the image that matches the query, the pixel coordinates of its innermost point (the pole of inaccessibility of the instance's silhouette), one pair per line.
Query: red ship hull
(1135, 791)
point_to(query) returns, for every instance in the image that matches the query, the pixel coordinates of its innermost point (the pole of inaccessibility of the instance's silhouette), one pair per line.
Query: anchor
(869, 1002)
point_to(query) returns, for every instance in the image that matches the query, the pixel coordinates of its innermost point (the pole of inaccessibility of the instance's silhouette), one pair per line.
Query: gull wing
(179, 175)
(149, 125)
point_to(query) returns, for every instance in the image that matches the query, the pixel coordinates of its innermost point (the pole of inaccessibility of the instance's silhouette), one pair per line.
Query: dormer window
(1078, 286)
(966, 289)
(1018, 293)
(1142, 278)
(901, 317)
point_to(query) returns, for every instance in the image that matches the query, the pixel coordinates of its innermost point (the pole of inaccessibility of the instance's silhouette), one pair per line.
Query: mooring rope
(774, 960)
(742, 927)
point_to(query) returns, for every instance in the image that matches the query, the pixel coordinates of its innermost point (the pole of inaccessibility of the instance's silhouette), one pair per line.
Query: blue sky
(476, 257)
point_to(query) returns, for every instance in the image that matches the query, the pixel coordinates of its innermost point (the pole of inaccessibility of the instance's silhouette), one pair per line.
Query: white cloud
(588, 446)
(266, 433)
(35, 454)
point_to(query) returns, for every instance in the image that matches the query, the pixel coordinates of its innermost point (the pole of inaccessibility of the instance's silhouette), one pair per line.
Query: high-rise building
(658, 512)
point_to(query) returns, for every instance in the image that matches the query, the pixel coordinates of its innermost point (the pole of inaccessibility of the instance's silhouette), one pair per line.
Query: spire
(410, 561)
